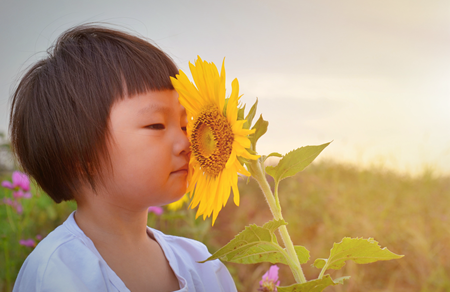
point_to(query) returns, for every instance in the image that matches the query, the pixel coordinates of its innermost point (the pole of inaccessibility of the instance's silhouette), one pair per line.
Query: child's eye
(156, 127)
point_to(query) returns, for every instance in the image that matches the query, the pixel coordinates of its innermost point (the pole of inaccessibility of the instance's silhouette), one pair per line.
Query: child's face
(151, 151)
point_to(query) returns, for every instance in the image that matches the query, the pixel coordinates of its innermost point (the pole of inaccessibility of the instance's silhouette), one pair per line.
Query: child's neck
(120, 236)
(103, 222)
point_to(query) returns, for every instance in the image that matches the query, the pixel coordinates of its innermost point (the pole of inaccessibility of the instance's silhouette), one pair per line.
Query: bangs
(112, 65)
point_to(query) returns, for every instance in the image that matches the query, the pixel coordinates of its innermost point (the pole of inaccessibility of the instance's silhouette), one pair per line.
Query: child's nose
(183, 144)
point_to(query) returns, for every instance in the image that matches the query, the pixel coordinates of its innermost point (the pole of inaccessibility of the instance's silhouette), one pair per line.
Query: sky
(371, 76)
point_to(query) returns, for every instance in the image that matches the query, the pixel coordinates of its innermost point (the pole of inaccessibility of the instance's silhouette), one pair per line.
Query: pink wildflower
(27, 242)
(156, 210)
(20, 186)
(30, 242)
(13, 203)
(7, 184)
(270, 280)
(21, 194)
(19, 181)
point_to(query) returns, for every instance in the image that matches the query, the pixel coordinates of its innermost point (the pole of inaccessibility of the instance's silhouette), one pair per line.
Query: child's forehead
(150, 102)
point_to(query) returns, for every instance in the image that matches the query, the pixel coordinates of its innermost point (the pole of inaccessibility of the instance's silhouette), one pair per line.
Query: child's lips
(182, 170)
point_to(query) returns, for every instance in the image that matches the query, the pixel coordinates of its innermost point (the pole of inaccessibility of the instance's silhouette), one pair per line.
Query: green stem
(7, 265)
(323, 271)
(257, 172)
(276, 194)
(11, 221)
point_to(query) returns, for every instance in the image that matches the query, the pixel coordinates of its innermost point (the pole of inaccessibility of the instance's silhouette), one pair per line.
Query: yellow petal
(204, 77)
(232, 102)
(184, 85)
(235, 190)
(241, 169)
(202, 184)
(232, 159)
(216, 204)
(215, 214)
(193, 181)
(213, 79)
(243, 141)
(226, 184)
(237, 128)
(247, 155)
(198, 76)
(212, 195)
(221, 92)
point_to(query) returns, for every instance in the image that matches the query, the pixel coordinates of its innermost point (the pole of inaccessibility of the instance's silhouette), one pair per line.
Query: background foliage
(328, 201)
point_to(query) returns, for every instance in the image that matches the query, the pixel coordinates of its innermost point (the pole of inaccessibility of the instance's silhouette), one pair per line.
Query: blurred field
(328, 201)
(40, 216)
(323, 204)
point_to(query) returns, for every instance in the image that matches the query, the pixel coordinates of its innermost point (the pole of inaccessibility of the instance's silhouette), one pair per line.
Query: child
(99, 122)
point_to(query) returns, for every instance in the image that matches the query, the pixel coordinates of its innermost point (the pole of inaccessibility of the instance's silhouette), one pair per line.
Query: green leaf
(224, 111)
(295, 161)
(240, 115)
(251, 115)
(261, 128)
(242, 160)
(359, 250)
(273, 225)
(313, 286)
(254, 245)
(276, 154)
(302, 254)
(273, 154)
(260, 253)
(268, 252)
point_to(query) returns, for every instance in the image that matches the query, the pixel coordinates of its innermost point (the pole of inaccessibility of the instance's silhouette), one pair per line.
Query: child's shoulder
(67, 260)
(61, 244)
(55, 242)
(59, 263)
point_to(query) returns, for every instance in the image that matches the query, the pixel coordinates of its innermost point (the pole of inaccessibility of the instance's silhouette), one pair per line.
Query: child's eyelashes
(156, 127)
(161, 127)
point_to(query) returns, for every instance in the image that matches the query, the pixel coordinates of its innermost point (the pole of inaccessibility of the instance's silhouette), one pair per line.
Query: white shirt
(67, 260)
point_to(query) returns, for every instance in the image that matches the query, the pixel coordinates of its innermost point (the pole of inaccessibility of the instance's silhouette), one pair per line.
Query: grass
(329, 201)
(323, 204)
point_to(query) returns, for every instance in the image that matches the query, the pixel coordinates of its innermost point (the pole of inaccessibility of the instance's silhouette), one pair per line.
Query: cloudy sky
(373, 76)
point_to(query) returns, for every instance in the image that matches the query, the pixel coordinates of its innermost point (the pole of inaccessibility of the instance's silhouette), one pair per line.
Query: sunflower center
(212, 140)
(207, 141)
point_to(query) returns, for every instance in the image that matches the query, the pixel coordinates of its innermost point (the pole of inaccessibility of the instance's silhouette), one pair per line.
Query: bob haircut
(60, 109)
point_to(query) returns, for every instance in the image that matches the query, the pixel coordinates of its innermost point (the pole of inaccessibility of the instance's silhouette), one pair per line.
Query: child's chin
(179, 197)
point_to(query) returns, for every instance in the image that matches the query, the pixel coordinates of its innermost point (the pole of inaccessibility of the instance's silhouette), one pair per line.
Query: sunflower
(217, 137)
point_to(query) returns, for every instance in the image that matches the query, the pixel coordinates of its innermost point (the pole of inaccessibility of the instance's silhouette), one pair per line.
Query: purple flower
(156, 210)
(13, 203)
(7, 184)
(20, 194)
(270, 280)
(27, 242)
(20, 186)
(30, 242)
(19, 181)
